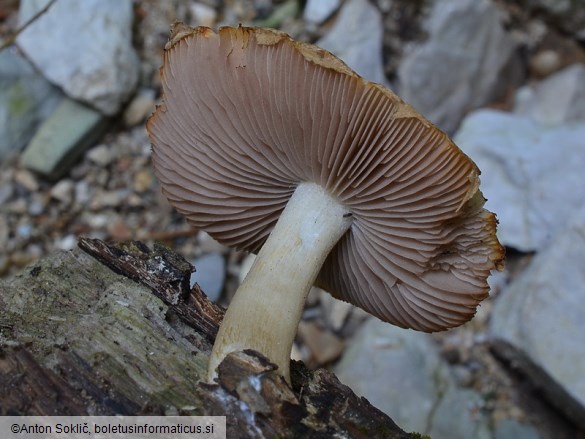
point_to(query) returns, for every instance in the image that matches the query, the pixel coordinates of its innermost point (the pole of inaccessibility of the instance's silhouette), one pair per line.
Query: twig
(9, 41)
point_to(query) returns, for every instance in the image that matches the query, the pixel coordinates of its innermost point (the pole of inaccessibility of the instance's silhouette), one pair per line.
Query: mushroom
(277, 147)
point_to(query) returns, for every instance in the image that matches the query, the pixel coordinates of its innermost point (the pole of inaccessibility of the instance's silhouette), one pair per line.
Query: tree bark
(115, 329)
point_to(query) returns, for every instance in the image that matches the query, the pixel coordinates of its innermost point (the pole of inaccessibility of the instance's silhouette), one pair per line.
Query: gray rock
(511, 429)
(356, 38)
(210, 274)
(85, 48)
(418, 390)
(459, 67)
(62, 138)
(538, 323)
(532, 174)
(26, 98)
(458, 414)
(560, 98)
(317, 11)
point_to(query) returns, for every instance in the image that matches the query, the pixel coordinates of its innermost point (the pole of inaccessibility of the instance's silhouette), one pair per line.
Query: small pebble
(63, 191)
(35, 250)
(139, 108)
(102, 177)
(545, 62)
(98, 221)
(82, 192)
(142, 180)
(108, 199)
(24, 231)
(100, 155)
(36, 205)
(27, 180)
(18, 206)
(135, 200)
(68, 242)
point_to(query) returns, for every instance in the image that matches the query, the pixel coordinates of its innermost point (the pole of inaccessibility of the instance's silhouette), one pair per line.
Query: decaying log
(120, 332)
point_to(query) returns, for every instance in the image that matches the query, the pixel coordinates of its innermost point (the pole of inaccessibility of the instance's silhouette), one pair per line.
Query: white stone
(459, 66)
(532, 175)
(560, 98)
(402, 373)
(85, 47)
(317, 11)
(539, 321)
(210, 274)
(356, 38)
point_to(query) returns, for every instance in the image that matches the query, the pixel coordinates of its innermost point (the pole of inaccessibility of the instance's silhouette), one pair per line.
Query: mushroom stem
(266, 310)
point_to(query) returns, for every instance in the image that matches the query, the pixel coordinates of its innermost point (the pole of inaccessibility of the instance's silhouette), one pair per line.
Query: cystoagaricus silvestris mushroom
(276, 146)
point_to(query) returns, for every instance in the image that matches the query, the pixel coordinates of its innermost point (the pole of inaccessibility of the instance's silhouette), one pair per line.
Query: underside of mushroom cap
(248, 114)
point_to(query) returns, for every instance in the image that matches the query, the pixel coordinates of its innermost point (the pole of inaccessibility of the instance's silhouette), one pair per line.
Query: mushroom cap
(249, 113)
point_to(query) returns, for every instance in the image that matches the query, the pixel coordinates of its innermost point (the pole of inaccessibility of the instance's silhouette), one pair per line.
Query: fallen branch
(119, 332)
